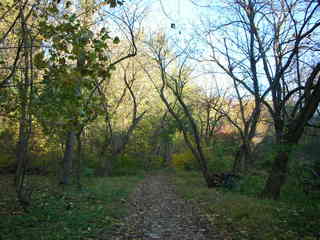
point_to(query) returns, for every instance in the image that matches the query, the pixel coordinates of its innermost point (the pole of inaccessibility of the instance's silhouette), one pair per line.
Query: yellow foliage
(183, 160)
(5, 160)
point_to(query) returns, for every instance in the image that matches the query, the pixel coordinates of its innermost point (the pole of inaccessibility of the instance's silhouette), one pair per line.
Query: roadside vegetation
(93, 97)
(59, 213)
(239, 213)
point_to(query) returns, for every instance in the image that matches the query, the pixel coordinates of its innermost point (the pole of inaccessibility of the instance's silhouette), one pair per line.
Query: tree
(116, 141)
(211, 107)
(279, 40)
(235, 53)
(80, 59)
(174, 81)
(18, 42)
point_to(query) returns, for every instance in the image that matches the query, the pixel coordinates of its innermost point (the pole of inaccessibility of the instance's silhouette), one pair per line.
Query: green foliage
(184, 161)
(75, 62)
(90, 160)
(251, 185)
(71, 214)
(7, 142)
(116, 40)
(114, 3)
(132, 164)
(220, 160)
(88, 172)
(155, 162)
(127, 165)
(5, 160)
(221, 156)
(240, 215)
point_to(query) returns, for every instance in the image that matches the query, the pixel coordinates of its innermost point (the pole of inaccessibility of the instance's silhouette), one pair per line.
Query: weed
(68, 214)
(240, 214)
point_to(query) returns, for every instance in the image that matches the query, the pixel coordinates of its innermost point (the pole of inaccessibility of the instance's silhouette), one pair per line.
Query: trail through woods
(157, 212)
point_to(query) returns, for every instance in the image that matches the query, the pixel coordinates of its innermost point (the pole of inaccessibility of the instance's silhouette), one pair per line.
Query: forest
(158, 119)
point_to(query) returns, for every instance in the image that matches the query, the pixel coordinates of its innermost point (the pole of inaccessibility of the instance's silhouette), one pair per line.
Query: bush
(220, 157)
(242, 216)
(8, 144)
(57, 213)
(251, 185)
(88, 172)
(184, 161)
(6, 160)
(155, 162)
(126, 165)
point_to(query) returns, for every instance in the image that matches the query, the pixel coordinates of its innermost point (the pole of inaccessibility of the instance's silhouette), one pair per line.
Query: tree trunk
(117, 144)
(23, 142)
(166, 154)
(210, 180)
(22, 152)
(67, 158)
(25, 124)
(242, 159)
(78, 161)
(277, 176)
(108, 167)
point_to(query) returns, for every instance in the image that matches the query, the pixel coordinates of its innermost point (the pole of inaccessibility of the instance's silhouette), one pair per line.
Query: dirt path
(157, 212)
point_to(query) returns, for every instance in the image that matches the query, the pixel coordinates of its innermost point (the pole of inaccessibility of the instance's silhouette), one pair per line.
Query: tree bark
(67, 158)
(78, 161)
(22, 152)
(107, 170)
(25, 124)
(278, 175)
(242, 160)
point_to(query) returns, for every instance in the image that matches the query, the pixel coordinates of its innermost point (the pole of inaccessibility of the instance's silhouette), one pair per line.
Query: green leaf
(68, 4)
(62, 61)
(53, 10)
(98, 44)
(38, 60)
(73, 17)
(116, 40)
(105, 36)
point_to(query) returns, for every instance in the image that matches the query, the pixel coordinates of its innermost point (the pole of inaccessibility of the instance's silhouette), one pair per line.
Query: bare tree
(223, 53)
(116, 141)
(209, 104)
(273, 44)
(174, 75)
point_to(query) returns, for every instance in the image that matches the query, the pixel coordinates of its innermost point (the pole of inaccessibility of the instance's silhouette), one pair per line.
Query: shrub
(126, 165)
(238, 214)
(155, 162)
(184, 161)
(5, 160)
(220, 157)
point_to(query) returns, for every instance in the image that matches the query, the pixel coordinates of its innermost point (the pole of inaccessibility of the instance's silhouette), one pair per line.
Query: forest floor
(162, 204)
(156, 211)
(64, 212)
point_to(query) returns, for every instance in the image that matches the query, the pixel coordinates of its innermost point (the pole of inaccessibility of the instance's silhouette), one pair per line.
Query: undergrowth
(57, 213)
(239, 214)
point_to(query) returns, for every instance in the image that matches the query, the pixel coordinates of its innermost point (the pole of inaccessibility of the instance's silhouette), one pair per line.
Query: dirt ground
(158, 213)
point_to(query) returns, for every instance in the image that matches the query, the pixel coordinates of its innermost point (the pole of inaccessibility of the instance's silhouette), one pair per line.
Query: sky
(184, 15)
(167, 12)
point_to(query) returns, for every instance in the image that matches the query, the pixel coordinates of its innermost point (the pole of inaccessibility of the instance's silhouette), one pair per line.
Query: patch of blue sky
(180, 20)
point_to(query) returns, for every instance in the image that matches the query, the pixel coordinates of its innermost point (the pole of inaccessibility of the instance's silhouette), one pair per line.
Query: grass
(239, 214)
(65, 214)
